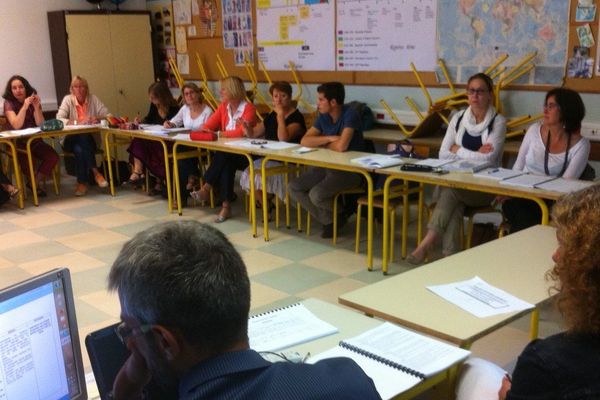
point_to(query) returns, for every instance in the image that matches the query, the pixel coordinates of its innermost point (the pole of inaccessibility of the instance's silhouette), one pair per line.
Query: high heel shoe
(223, 215)
(136, 179)
(14, 193)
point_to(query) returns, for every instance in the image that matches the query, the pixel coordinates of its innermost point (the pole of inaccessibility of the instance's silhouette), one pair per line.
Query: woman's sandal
(14, 193)
(192, 183)
(223, 215)
(136, 179)
(201, 194)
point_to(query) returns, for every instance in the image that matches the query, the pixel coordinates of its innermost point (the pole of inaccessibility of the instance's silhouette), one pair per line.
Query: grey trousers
(316, 187)
(449, 211)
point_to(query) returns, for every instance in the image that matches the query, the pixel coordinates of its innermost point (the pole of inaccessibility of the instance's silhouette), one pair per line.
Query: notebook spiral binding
(275, 310)
(383, 360)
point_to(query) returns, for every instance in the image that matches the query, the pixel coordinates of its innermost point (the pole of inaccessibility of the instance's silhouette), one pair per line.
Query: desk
(219, 145)
(19, 182)
(350, 324)
(162, 139)
(516, 263)
(458, 180)
(326, 159)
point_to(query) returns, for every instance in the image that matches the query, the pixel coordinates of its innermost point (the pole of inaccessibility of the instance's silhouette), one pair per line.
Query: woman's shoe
(40, 192)
(14, 193)
(156, 190)
(136, 179)
(223, 215)
(202, 194)
(413, 260)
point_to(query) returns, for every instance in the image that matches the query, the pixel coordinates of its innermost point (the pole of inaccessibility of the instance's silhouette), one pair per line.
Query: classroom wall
(26, 41)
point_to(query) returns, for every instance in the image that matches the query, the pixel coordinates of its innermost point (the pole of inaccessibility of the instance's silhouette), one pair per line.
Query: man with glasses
(185, 297)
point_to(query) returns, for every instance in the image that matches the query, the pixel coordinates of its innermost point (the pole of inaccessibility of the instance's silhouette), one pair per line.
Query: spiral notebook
(286, 326)
(395, 358)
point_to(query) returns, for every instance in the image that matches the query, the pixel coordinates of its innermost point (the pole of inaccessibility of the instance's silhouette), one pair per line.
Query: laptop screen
(40, 356)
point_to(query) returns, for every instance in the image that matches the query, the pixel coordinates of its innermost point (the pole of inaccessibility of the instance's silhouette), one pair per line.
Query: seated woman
(477, 134)
(284, 123)
(148, 153)
(81, 107)
(552, 147)
(192, 115)
(565, 365)
(23, 109)
(227, 122)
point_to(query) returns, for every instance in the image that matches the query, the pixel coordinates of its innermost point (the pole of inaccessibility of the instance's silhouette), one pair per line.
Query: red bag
(203, 136)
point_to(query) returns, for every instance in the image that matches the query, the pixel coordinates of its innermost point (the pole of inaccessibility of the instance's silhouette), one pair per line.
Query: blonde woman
(228, 121)
(81, 108)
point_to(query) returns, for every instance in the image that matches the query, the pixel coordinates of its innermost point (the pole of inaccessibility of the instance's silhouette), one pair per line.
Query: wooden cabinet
(112, 50)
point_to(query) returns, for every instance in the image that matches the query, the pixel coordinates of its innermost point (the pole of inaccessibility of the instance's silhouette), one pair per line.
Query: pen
(493, 170)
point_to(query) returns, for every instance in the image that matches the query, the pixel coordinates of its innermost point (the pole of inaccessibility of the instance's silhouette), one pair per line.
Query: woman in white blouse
(552, 147)
(192, 116)
(478, 134)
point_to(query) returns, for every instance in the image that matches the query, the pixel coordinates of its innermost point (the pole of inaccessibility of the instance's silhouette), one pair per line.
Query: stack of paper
(433, 162)
(378, 160)
(527, 180)
(563, 185)
(285, 327)
(466, 166)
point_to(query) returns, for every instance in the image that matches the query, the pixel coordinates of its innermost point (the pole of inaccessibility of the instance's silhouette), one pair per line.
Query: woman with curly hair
(565, 365)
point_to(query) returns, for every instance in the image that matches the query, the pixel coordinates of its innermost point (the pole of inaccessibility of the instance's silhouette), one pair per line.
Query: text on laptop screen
(38, 356)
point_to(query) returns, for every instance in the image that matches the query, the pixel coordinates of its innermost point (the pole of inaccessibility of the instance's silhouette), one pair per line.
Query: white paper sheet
(22, 132)
(480, 298)
(260, 144)
(433, 162)
(286, 327)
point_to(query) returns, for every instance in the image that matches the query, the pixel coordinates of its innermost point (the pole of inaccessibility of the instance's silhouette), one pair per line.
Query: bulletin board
(208, 46)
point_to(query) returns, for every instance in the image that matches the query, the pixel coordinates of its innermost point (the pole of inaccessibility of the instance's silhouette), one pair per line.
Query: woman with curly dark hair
(565, 365)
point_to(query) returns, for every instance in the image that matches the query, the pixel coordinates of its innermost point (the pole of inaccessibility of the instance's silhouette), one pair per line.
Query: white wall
(26, 40)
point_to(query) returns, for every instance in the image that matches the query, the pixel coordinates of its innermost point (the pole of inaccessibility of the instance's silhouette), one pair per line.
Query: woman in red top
(23, 109)
(226, 122)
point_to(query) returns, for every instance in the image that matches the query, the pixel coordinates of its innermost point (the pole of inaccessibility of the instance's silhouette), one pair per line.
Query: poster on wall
(208, 18)
(302, 32)
(237, 29)
(182, 12)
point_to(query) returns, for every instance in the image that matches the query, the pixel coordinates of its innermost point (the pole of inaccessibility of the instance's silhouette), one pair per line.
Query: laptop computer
(40, 355)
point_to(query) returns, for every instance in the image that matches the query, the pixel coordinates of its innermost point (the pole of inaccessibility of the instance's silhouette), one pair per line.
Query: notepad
(285, 327)
(498, 174)
(23, 132)
(378, 160)
(563, 185)
(466, 166)
(161, 130)
(527, 180)
(433, 162)
(395, 358)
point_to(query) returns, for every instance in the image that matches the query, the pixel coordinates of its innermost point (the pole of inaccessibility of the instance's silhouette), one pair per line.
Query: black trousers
(221, 173)
(522, 213)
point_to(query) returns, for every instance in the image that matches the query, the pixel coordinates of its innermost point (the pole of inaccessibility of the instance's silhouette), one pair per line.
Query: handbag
(51, 125)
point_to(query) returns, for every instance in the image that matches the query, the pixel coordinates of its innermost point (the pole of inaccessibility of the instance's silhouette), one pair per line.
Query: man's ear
(167, 342)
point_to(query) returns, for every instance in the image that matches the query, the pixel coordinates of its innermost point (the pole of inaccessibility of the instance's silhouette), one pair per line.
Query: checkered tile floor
(86, 233)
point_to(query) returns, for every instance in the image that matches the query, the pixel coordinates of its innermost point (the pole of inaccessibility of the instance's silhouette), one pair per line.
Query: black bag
(588, 174)
(483, 233)
(124, 172)
(367, 118)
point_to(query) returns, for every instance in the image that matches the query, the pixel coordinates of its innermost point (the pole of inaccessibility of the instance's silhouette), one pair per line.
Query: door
(133, 64)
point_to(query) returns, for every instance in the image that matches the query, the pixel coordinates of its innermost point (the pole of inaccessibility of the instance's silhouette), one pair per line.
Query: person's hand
(169, 124)
(137, 119)
(454, 148)
(506, 384)
(133, 376)
(35, 100)
(279, 110)
(246, 126)
(486, 148)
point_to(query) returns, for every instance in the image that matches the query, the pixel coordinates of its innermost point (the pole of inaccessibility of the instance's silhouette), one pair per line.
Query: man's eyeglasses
(551, 106)
(124, 332)
(476, 92)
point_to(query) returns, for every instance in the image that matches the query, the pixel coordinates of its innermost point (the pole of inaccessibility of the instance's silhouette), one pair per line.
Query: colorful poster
(237, 29)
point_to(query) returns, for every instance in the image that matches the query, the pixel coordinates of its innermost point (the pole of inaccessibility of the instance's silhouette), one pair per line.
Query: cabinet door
(91, 55)
(133, 65)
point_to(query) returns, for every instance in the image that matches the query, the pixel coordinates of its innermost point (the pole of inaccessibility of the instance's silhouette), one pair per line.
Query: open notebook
(396, 359)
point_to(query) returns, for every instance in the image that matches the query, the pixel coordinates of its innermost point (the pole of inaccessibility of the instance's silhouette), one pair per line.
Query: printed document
(480, 298)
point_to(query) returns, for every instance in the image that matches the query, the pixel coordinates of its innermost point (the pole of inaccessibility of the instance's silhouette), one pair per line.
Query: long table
(350, 324)
(457, 180)
(516, 263)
